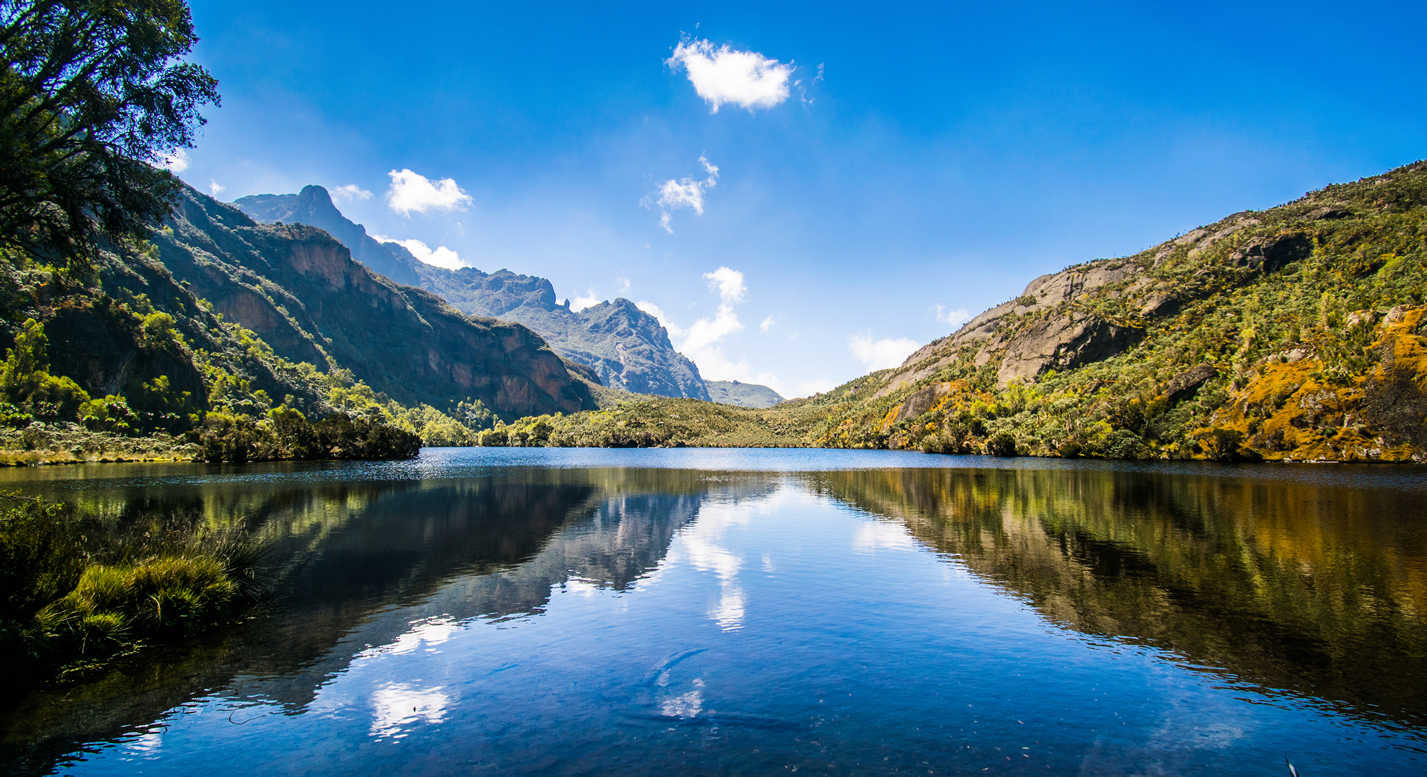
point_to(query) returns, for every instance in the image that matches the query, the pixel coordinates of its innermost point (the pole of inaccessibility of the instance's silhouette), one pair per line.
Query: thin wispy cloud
(722, 75)
(953, 317)
(880, 354)
(441, 256)
(675, 194)
(412, 192)
(216, 188)
(767, 324)
(350, 192)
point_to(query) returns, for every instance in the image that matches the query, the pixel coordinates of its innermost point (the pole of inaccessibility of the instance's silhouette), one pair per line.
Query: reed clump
(77, 591)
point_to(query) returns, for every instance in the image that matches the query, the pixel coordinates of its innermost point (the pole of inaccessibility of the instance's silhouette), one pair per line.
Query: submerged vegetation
(77, 590)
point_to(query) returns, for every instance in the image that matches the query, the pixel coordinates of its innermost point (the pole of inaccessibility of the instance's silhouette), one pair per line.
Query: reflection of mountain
(357, 564)
(1286, 584)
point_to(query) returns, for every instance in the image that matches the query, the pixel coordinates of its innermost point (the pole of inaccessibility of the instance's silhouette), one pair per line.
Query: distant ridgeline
(628, 348)
(731, 392)
(1293, 333)
(221, 337)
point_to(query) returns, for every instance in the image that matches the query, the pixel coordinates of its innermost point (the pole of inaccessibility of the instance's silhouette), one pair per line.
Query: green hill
(732, 392)
(1293, 333)
(218, 317)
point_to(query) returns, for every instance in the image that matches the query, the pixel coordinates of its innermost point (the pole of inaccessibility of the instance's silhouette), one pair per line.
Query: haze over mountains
(626, 347)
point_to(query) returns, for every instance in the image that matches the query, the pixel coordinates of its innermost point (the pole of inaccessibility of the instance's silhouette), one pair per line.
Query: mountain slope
(628, 348)
(731, 392)
(1291, 333)
(1294, 333)
(301, 291)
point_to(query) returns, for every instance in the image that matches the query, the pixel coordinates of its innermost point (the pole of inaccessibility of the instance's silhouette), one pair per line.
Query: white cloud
(706, 332)
(415, 192)
(624, 283)
(216, 188)
(880, 354)
(722, 75)
(807, 388)
(767, 324)
(954, 317)
(729, 283)
(685, 193)
(441, 256)
(350, 192)
(654, 310)
(176, 162)
(590, 299)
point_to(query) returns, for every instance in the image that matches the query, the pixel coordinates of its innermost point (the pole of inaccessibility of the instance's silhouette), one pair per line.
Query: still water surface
(732, 612)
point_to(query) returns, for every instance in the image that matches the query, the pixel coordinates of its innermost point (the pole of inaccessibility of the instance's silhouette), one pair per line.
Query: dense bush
(287, 435)
(75, 589)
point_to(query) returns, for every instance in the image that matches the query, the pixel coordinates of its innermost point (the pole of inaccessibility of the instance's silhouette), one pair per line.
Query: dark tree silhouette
(94, 97)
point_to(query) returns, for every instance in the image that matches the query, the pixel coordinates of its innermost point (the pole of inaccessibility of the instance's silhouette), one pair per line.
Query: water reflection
(1314, 588)
(383, 567)
(678, 620)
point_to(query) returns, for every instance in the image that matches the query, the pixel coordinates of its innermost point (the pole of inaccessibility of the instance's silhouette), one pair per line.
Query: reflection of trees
(1296, 586)
(356, 563)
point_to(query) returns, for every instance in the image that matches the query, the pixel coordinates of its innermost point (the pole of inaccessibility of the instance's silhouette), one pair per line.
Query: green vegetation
(1292, 333)
(1295, 333)
(94, 94)
(76, 591)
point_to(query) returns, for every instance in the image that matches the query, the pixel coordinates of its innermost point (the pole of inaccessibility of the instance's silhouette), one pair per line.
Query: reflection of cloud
(431, 632)
(395, 706)
(686, 706)
(873, 535)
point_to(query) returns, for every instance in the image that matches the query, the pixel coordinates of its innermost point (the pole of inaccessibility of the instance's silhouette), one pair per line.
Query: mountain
(731, 392)
(301, 291)
(627, 348)
(1294, 333)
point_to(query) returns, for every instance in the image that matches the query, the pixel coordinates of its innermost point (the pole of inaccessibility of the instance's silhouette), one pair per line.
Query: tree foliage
(94, 96)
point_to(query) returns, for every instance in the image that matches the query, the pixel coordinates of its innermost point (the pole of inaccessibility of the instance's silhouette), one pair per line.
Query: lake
(756, 611)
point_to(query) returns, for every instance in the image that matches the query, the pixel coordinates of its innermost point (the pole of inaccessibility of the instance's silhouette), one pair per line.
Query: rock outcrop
(627, 348)
(301, 291)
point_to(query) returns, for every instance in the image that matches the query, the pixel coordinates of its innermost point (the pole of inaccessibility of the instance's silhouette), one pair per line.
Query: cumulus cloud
(350, 192)
(723, 75)
(176, 162)
(415, 192)
(441, 256)
(953, 317)
(590, 299)
(729, 284)
(216, 188)
(880, 354)
(674, 194)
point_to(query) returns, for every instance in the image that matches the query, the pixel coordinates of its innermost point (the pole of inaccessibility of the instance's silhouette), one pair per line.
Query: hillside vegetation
(1294, 333)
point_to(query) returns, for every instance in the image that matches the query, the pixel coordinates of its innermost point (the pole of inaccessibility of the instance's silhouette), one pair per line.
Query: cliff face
(627, 348)
(302, 292)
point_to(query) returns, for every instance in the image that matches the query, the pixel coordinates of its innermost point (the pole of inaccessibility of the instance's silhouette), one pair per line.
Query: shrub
(1002, 444)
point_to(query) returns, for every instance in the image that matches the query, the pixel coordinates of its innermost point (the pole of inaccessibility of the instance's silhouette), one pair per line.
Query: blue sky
(896, 165)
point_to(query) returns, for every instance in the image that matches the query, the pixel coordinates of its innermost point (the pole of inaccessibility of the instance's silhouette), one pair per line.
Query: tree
(94, 97)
